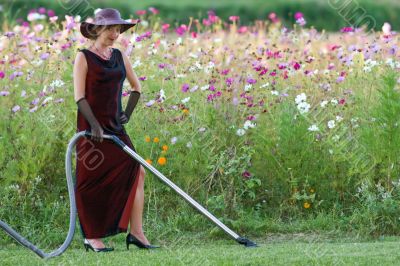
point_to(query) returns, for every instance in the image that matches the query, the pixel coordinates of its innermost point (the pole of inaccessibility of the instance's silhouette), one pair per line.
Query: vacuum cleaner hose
(71, 193)
(72, 211)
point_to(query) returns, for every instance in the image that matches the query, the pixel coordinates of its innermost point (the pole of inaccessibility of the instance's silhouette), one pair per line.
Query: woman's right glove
(95, 128)
(130, 106)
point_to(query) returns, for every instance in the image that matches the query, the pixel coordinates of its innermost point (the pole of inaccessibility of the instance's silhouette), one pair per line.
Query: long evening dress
(106, 177)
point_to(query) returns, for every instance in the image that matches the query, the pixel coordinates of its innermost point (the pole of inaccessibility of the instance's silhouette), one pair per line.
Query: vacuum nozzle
(246, 242)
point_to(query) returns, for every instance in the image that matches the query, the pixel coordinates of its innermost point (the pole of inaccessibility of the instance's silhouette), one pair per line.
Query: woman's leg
(136, 228)
(136, 214)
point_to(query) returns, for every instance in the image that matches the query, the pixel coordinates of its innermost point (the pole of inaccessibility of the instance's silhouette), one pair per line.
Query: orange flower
(162, 160)
(147, 139)
(156, 139)
(306, 205)
(165, 147)
(149, 161)
(185, 111)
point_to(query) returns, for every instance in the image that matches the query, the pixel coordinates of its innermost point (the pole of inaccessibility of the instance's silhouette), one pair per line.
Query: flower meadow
(263, 124)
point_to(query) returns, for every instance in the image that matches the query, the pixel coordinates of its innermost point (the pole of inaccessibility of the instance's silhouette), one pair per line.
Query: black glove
(132, 102)
(95, 128)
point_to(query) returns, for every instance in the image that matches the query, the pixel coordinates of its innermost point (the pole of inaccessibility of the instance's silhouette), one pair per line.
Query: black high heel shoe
(88, 246)
(131, 239)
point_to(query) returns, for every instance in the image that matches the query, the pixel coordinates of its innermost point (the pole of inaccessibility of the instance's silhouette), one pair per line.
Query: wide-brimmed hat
(105, 17)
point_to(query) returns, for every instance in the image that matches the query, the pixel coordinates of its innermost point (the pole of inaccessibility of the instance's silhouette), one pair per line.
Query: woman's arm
(79, 74)
(130, 74)
(135, 91)
(80, 71)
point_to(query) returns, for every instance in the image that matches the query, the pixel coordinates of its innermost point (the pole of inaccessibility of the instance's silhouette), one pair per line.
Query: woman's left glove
(123, 118)
(132, 102)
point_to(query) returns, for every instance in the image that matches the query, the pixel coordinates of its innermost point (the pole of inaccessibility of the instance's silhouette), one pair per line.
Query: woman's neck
(101, 46)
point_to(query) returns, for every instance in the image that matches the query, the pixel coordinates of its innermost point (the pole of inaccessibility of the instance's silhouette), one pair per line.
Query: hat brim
(88, 29)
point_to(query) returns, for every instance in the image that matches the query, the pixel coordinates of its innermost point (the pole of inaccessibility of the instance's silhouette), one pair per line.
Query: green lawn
(274, 250)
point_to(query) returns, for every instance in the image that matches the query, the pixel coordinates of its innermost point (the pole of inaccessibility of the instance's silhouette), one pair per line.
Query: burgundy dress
(106, 176)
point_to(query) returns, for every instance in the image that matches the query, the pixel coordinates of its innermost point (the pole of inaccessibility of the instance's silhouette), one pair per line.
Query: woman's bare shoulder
(80, 58)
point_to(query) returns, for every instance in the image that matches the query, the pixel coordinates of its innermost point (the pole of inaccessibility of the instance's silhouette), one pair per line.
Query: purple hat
(104, 17)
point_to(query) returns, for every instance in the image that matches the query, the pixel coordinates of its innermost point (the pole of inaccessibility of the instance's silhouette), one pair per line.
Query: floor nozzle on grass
(246, 242)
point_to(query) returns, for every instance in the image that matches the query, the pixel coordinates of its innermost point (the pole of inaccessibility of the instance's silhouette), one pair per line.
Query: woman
(109, 183)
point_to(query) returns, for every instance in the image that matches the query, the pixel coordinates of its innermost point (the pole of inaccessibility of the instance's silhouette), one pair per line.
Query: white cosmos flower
(173, 140)
(57, 83)
(205, 87)
(240, 132)
(303, 107)
(300, 98)
(334, 102)
(198, 65)
(35, 16)
(331, 123)
(247, 87)
(162, 95)
(248, 124)
(144, 23)
(185, 100)
(324, 103)
(339, 118)
(150, 103)
(136, 63)
(275, 92)
(313, 128)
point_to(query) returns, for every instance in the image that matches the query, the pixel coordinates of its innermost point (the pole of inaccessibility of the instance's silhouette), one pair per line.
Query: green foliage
(328, 15)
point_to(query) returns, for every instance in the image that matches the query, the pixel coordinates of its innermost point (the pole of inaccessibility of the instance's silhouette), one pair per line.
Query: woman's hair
(98, 29)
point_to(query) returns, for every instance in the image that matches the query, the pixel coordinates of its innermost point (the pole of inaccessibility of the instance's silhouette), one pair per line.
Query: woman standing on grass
(109, 183)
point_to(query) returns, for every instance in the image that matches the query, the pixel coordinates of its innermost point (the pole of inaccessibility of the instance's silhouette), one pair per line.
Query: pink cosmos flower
(154, 10)
(181, 29)
(165, 28)
(51, 13)
(206, 22)
(229, 81)
(141, 12)
(185, 87)
(242, 29)
(246, 175)
(347, 29)
(251, 81)
(234, 18)
(273, 17)
(225, 71)
(42, 10)
(296, 66)
(298, 15)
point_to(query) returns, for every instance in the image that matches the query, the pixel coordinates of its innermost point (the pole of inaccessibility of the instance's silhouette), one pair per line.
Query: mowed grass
(289, 250)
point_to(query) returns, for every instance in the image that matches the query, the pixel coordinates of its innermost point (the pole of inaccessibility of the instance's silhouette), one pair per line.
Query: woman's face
(109, 34)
